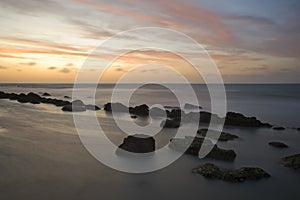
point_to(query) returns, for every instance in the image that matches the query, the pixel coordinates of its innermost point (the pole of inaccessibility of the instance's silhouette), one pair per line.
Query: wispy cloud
(65, 70)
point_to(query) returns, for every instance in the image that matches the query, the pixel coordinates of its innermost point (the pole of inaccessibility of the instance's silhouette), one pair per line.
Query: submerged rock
(212, 171)
(223, 135)
(292, 161)
(170, 123)
(138, 144)
(192, 146)
(279, 128)
(278, 144)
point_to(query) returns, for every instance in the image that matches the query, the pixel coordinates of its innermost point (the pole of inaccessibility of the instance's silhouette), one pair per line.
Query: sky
(48, 41)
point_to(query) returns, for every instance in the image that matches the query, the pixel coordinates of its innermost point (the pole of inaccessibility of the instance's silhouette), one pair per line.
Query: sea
(42, 156)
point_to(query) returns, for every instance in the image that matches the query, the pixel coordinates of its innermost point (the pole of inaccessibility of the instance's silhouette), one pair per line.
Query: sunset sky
(255, 41)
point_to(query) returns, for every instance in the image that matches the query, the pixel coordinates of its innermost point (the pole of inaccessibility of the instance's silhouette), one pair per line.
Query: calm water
(42, 157)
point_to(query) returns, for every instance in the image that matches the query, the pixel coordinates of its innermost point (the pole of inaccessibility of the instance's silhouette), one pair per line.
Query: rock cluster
(75, 106)
(192, 146)
(212, 171)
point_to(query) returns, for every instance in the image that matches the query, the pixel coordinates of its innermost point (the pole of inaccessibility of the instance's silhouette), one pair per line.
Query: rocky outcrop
(278, 144)
(212, 171)
(279, 128)
(192, 146)
(138, 144)
(141, 110)
(32, 98)
(223, 135)
(292, 161)
(238, 119)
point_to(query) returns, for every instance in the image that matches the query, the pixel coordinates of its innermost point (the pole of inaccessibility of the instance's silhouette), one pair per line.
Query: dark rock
(279, 128)
(192, 146)
(117, 107)
(223, 135)
(211, 171)
(170, 123)
(292, 161)
(142, 110)
(155, 111)
(191, 106)
(175, 113)
(67, 97)
(74, 106)
(278, 144)
(29, 98)
(46, 94)
(92, 107)
(13, 96)
(133, 116)
(238, 119)
(205, 117)
(138, 144)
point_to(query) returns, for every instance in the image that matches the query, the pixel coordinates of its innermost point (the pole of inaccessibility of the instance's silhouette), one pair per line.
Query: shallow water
(41, 156)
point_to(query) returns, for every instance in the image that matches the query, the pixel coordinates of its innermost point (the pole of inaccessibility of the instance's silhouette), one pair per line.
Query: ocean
(41, 155)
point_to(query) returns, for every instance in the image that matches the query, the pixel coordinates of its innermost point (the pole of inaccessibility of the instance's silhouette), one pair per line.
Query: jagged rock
(279, 128)
(223, 135)
(138, 144)
(46, 94)
(170, 123)
(238, 119)
(292, 161)
(29, 98)
(192, 146)
(92, 107)
(142, 110)
(191, 106)
(211, 171)
(278, 144)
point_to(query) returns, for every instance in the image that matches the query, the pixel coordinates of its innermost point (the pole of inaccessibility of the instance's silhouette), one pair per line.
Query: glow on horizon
(49, 41)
